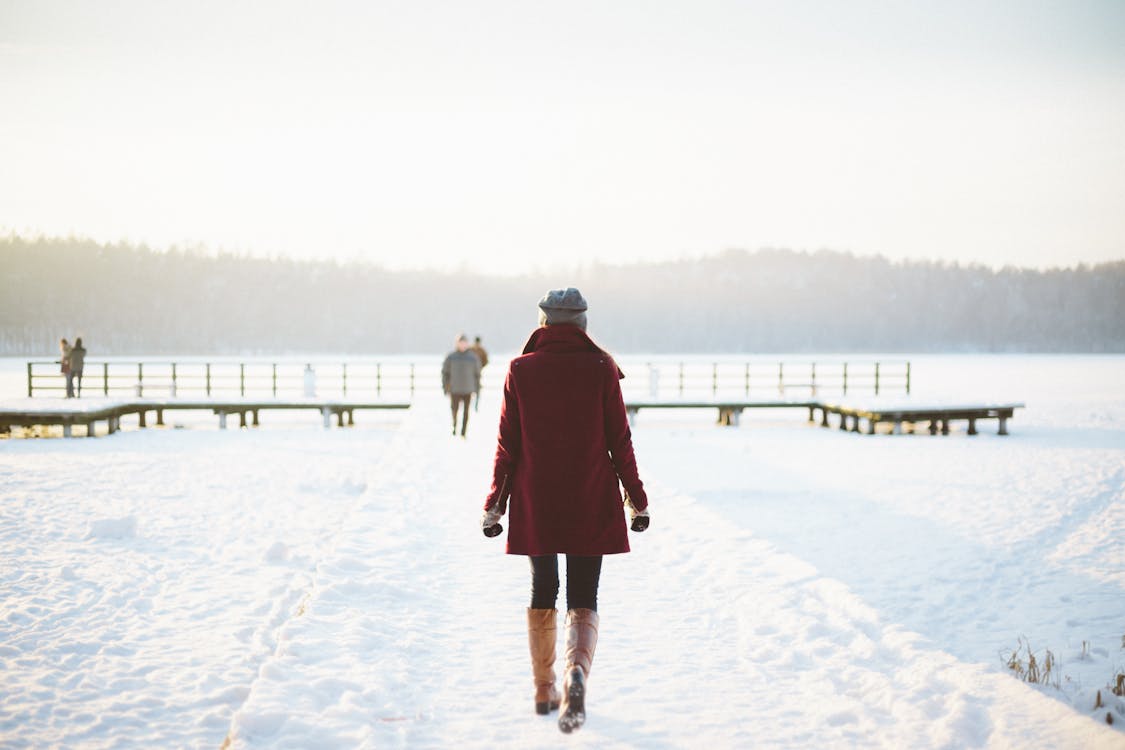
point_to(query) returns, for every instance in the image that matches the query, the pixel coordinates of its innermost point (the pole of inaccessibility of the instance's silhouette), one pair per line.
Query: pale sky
(506, 136)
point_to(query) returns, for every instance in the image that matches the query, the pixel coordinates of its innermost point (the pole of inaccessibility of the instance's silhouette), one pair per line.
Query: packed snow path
(413, 636)
(301, 588)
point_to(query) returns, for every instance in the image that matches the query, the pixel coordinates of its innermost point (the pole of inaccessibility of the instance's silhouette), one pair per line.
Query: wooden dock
(246, 389)
(87, 415)
(937, 417)
(730, 411)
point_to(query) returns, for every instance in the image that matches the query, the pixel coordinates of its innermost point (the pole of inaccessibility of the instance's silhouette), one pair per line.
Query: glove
(638, 519)
(490, 521)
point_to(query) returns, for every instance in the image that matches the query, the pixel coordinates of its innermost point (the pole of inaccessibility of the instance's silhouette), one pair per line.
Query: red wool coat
(564, 445)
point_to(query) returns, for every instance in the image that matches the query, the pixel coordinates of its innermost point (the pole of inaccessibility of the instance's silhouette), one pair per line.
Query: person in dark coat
(64, 366)
(460, 379)
(563, 452)
(482, 355)
(77, 362)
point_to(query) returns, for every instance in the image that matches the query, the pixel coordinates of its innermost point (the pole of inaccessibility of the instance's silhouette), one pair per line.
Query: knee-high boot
(581, 640)
(542, 629)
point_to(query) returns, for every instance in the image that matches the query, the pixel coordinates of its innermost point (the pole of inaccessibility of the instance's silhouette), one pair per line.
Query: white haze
(505, 136)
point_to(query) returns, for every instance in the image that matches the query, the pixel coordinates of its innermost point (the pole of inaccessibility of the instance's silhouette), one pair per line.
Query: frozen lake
(299, 587)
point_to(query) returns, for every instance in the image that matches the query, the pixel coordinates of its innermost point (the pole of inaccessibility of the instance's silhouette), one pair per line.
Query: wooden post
(242, 385)
(823, 416)
(907, 378)
(141, 419)
(845, 378)
(945, 425)
(140, 379)
(256, 422)
(870, 425)
(812, 414)
(90, 429)
(1003, 426)
(105, 378)
(29, 380)
(208, 380)
(175, 389)
(241, 418)
(159, 417)
(843, 421)
(876, 378)
(972, 426)
(351, 418)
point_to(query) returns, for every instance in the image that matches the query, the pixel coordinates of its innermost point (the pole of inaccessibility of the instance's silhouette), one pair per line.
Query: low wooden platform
(730, 411)
(937, 416)
(88, 415)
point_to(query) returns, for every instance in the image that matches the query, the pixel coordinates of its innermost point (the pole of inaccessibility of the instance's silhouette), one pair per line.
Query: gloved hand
(490, 521)
(638, 519)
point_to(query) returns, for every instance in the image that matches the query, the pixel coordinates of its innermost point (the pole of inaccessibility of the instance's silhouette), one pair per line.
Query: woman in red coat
(564, 450)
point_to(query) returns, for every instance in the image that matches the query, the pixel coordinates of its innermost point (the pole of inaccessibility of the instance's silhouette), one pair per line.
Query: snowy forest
(131, 300)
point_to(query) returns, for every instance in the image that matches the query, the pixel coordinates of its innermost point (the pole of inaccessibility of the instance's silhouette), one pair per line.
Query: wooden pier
(730, 411)
(936, 417)
(247, 388)
(89, 415)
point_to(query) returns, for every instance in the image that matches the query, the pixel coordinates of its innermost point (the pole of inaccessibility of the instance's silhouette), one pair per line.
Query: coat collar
(564, 338)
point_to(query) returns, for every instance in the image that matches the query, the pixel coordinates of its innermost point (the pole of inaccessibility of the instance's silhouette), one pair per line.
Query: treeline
(128, 300)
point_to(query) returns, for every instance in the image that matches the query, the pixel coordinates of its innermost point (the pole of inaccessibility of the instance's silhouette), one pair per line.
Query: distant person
(460, 379)
(77, 362)
(564, 447)
(482, 355)
(64, 366)
(310, 381)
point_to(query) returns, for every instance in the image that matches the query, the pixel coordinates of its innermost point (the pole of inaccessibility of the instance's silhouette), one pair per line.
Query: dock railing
(224, 379)
(751, 379)
(402, 380)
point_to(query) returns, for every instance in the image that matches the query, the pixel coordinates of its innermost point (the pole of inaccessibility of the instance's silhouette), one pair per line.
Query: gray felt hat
(563, 306)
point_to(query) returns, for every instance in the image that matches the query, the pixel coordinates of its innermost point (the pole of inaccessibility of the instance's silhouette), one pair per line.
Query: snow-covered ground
(800, 587)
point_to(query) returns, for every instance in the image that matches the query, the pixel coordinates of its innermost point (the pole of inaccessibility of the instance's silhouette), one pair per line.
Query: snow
(294, 587)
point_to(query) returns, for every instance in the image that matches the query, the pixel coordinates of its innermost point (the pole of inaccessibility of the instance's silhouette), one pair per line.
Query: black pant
(461, 399)
(582, 576)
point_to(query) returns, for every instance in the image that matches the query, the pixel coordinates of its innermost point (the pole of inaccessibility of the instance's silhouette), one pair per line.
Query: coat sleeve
(445, 373)
(508, 443)
(619, 439)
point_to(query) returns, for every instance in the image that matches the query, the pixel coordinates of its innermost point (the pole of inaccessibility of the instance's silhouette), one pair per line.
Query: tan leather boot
(581, 640)
(542, 629)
